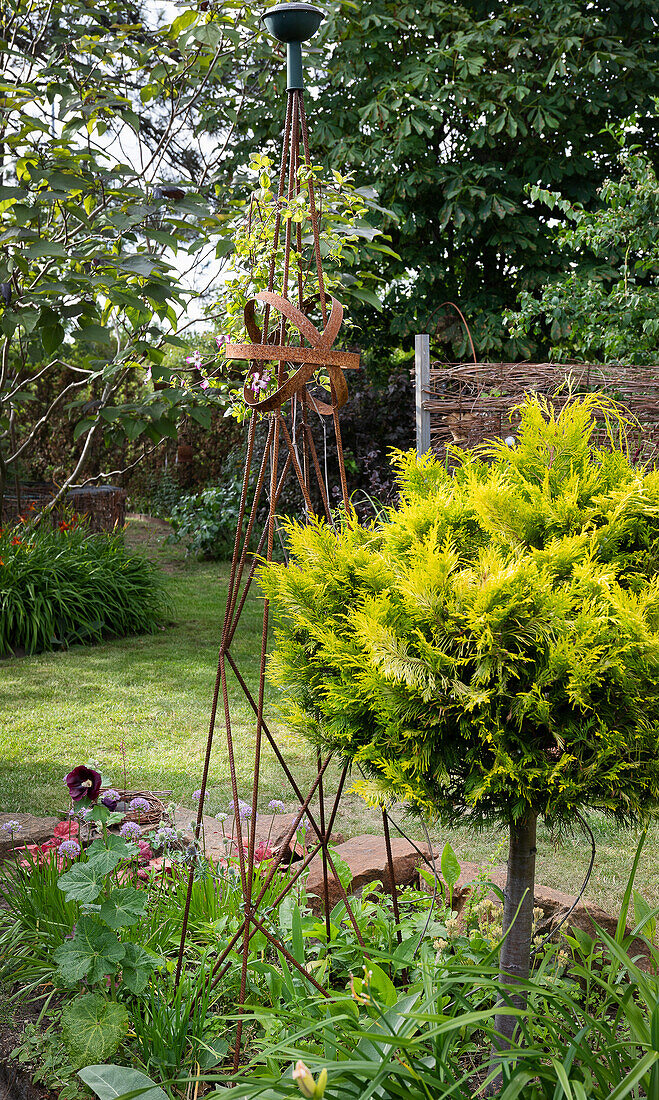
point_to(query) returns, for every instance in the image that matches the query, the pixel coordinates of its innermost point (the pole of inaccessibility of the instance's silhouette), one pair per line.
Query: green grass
(153, 693)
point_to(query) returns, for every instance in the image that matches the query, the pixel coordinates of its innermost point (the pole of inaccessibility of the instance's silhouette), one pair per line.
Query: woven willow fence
(469, 403)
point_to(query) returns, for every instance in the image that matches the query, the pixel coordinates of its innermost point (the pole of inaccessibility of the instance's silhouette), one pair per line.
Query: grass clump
(63, 585)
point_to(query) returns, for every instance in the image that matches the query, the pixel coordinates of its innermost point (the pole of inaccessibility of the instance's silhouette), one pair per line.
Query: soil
(15, 1078)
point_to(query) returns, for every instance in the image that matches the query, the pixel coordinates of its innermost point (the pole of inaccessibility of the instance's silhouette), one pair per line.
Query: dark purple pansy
(83, 782)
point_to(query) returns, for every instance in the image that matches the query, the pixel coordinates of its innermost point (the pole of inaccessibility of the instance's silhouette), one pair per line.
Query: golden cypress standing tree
(490, 647)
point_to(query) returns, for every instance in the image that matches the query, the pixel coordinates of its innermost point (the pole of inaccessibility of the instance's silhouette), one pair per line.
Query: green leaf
(376, 984)
(342, 869)
(93, 1028)
(124, 907)
(93, 953)
(84, 881)
(643, 915)
(45, 248)
(137, 966)
(111, 1082)
(28, 319)
(138, 263)
(111, 849)
(212, 1054)
(182, 22)
(51, 338)
(450, 866)
(93, 334)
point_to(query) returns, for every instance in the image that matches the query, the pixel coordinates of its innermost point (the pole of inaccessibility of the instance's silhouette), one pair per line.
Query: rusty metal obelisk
(296, 349)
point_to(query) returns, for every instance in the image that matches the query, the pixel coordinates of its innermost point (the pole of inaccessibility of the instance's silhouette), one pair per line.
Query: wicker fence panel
(104, 505)
(471, 403)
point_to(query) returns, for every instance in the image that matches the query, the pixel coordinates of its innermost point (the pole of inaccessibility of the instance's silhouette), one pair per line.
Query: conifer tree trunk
(516, 949)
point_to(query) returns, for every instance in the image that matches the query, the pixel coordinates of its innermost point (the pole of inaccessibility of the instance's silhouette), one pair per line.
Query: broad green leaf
(112, 1082)
(93, 953)
(93, 334)
(182, 22)
(374, 984)
(51, 338)
(115, 846)
(137, 966)
(124, 907)
(85, 881)
(45, 248)
(28, 318)
(211, 1053)
(93, 1028)
(342, 869)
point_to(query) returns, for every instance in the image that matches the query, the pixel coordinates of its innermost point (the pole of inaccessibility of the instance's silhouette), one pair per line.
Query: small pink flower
(147, 374)
(205, 384)
(260, 381)
(195, 358)
(221, 340)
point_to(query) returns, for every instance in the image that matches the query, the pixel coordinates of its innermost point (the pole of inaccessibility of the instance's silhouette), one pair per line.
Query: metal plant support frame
(289, 445)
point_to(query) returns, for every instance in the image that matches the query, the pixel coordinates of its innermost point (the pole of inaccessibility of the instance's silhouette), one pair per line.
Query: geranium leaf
(93, 953)
(124, 907)
(92, 1028)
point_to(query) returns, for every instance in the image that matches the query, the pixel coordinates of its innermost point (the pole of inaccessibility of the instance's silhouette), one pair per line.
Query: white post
(422, 382)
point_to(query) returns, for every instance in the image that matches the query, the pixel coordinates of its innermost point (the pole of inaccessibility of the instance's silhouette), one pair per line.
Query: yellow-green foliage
(493, 643)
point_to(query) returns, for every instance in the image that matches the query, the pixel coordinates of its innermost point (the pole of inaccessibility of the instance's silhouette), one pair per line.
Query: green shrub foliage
(62, 586)
(491, 647)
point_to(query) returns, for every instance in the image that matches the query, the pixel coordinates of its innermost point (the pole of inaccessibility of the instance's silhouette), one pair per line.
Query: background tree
(488, 650)
(450, 110)
(117, 209)
(96, 227)
(604, 306)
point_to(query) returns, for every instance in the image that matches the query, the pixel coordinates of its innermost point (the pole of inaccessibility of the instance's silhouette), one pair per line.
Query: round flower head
(83, 782)
(196, 795)
(110, 799)
(130, 830)
(276, 806)
(11, 827)
(164, 837)
(69, 848)
(241, 807)
(245, 812)
(138, 804)
(221, 817)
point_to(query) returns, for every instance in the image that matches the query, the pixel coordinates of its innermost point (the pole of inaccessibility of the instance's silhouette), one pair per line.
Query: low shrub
(64, 585)
(207, 520)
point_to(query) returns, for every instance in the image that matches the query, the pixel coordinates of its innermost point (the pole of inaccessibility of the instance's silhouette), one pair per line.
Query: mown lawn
(152, 696)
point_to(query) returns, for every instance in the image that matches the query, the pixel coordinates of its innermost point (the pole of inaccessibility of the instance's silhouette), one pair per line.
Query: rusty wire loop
(289, 446)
